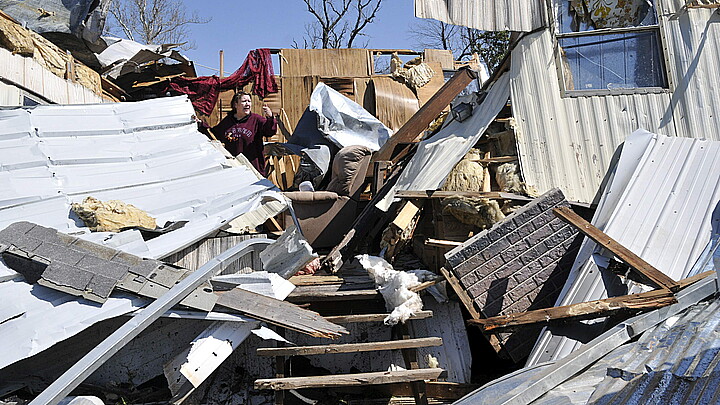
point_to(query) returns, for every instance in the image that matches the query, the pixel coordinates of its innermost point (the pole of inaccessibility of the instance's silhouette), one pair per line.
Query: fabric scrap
(204, 91)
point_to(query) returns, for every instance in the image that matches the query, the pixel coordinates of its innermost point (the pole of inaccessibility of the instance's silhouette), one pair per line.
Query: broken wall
(517, 265)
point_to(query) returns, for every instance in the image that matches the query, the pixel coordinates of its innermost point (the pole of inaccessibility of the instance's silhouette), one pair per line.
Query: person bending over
(243, 131)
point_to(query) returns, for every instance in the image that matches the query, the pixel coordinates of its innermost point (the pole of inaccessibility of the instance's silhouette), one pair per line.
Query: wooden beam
(332, 292)
(499, 159)
(348, 380)
(350, 347)
(359, 318)
(426, 284)
(279, 313)
(442, 243)
(427, 113)
(464, 297)
(470, 194)
(582, 311)
(586, 310)
(645, 269)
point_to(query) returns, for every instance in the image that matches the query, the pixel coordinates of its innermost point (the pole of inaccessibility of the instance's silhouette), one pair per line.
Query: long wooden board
(581, 311)
(427, 113)
(350, 347)
(645, 269)
(470, 194)
(348, 380)
(586, 310)
(359, 318)
(279, 313)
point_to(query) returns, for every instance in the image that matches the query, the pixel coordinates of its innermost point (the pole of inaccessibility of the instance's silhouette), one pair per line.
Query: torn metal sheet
(436, 157)
(191, 367)
(290, 253)
(83, 18)
(61, 315)
(261, 282)
(269, 334)
(97, 356)
(346, 122)
(147, 153)
(645, 213)
(529, 384)
(125, 56)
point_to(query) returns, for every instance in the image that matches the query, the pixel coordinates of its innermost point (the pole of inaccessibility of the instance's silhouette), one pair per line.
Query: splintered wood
(279, 313)
(401, 229)
(349, 380)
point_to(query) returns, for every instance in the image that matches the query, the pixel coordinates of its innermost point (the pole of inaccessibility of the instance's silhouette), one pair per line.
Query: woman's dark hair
(235, 99)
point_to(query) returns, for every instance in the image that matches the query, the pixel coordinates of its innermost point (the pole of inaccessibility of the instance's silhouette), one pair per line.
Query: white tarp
(346, 122)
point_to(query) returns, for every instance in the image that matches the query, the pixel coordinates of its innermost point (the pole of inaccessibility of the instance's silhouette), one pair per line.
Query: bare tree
(490, 46)
(339, 23)
(434, 34)
(153, 21)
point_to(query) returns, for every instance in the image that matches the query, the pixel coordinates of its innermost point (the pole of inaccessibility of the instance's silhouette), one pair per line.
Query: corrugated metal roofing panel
(666, 219)
(148, 154)
(487, 15)
(672, 364)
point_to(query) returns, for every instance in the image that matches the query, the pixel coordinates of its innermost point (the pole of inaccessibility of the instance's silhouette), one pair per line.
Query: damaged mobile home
(429, 235)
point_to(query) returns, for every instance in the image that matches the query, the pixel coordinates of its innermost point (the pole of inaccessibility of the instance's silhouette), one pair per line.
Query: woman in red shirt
(243, 131)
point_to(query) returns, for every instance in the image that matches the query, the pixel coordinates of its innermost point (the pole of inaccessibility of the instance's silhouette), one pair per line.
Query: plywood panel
(325, 62)
(395, 103)
(361, 85)
(428, 90)
(443, 57)
(343, 85)
(296, 97)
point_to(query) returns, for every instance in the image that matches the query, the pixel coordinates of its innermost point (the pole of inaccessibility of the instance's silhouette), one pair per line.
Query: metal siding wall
(693, 41)
(488, 15)
(569, 142)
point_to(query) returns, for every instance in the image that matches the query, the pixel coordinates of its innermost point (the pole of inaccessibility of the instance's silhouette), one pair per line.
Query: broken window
(609, 44)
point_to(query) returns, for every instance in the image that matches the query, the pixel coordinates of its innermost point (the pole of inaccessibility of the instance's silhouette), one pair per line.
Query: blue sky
(238, 26)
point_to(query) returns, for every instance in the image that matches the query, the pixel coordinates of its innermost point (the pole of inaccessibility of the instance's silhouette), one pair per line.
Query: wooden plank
(353, 62)
(470, 194)
(332, 293)
(350, 347)
(348, 380)
(343, 319)
(279, 313)
(581, 311)
(499, 159)
(464, 297)
(426, 284)
(645, 269)
(442, 243)
(427, 113)
(442, 57)
(425, 93)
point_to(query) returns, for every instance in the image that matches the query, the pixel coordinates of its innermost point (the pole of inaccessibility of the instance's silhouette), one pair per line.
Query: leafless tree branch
(338, 22)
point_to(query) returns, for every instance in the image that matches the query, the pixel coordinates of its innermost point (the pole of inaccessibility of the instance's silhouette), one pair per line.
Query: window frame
(555, 10)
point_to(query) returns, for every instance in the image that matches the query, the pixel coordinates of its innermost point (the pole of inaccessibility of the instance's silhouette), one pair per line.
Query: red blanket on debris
(203, 91)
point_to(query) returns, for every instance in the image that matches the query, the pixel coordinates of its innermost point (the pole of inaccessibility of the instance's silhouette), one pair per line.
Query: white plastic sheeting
(662, 203)
(128, 56)
(346, 122)
(436, 157)
(148, 154)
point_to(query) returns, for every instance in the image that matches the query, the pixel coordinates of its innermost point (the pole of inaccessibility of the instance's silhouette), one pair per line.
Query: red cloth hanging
(204, 91)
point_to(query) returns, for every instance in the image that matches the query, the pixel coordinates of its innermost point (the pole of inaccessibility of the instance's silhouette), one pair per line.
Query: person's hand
(267, 111)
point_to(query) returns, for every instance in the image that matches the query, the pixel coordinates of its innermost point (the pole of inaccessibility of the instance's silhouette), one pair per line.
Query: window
(609, 45)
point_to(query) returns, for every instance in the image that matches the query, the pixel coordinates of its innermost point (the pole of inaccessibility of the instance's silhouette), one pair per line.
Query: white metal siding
(569, 142)
(30, 75)
(488, 15)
